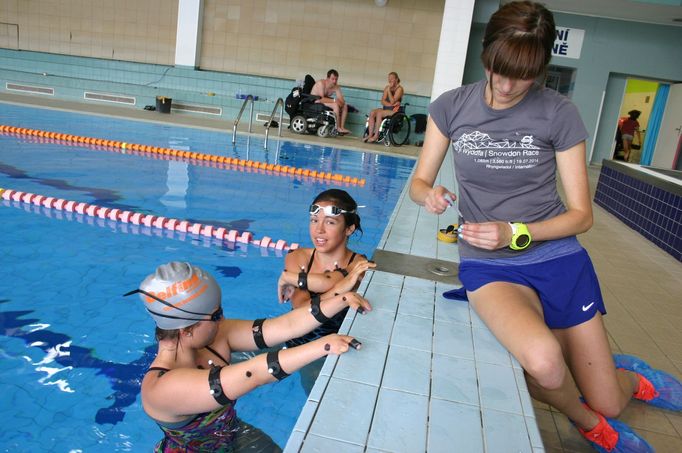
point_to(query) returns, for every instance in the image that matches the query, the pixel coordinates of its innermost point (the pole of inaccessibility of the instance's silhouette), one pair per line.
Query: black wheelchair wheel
(399, 129)
(299, 124)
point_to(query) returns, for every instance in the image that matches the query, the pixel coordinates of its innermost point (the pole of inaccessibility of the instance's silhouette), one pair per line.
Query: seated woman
(390, 101)
(328, 268)
(190, 390)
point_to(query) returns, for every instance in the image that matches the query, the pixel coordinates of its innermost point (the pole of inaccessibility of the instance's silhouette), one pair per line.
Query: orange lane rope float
(193, 157)
(147, 220)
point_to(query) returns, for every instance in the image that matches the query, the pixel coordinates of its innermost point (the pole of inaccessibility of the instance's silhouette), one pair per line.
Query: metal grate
(115, 98)
(29, 89)
(198, 109)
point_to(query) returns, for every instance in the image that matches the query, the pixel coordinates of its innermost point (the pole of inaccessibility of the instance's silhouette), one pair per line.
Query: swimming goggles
(215, 316)
(329, 211)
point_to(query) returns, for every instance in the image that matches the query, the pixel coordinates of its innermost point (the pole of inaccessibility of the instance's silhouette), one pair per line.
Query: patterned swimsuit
(210, 431)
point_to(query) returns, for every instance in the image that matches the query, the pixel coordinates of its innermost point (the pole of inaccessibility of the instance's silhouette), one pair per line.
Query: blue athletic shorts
(567, 286)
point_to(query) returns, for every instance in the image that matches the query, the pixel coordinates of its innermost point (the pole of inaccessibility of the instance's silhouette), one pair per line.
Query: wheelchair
(394, 129)
(307, 117)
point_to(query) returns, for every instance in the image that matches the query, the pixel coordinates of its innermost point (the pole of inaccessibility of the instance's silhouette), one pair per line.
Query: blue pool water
(73, 350)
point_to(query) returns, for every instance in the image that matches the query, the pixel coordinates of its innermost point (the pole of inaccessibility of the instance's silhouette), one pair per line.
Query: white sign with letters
(568, 42)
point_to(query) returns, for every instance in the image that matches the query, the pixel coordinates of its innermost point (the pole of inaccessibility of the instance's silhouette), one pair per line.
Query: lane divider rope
(229, 163)
(148, 220)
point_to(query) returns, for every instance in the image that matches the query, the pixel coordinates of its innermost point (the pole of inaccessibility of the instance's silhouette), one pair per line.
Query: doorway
(639, 95)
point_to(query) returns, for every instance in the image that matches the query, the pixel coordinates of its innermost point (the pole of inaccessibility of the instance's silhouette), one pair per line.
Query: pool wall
(648, 202)
(207, 93)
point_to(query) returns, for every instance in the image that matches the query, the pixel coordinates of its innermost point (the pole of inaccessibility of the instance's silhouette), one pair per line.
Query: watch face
(522, 240)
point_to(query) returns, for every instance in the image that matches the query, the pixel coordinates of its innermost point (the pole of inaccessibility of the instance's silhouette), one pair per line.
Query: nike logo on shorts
(587, 307)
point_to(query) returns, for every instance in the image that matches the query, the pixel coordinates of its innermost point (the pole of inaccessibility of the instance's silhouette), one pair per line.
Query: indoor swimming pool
(73, 350)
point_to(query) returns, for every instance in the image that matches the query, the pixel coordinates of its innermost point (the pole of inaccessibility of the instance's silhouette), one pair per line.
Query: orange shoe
(612, 436)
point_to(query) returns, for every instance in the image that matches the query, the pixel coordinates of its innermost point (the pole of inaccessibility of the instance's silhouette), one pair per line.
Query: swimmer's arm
(182, 392)
(339, 97)
(430, 160)
(397, 97)
(386, 98)
(293, 324)
(287, 286)
(351, 282)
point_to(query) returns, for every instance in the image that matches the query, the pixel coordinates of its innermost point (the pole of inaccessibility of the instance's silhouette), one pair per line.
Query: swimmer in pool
(329, 267)
(191, 388)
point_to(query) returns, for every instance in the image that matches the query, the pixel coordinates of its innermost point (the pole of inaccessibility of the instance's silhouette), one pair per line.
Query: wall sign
(568, 42)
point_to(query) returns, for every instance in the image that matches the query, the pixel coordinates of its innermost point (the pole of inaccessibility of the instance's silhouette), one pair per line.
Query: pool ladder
(249, 99)
(280, 104)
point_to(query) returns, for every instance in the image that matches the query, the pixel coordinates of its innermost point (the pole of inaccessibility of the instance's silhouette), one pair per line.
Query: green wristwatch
(520, 236)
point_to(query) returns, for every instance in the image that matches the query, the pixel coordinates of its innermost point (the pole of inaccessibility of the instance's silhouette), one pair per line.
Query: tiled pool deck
(429, 377)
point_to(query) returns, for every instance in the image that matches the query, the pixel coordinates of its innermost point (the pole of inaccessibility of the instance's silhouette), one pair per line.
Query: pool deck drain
(417, 266)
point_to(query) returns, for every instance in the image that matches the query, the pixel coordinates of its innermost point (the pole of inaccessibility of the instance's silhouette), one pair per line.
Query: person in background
(327, 268)
(330, 95)
(521, 266)
(628, 130)
(191, 388)
(390, 104)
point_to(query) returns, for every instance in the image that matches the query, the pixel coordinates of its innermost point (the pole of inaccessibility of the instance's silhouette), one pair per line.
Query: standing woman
(390, 104)
(628, 130)
(329, 267)
(524, 271)
(191, 388)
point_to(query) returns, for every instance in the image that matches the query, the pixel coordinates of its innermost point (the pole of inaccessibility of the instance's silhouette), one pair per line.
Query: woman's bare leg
(514, 315)
(589, 356)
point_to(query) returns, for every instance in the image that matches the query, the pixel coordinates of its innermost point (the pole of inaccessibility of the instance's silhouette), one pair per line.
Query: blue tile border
(649, 205)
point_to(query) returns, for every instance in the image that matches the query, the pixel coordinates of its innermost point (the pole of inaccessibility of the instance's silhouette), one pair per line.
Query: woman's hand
(487, 235)
(438, 199)
(351, 280)
(285, 289)
(338, 344)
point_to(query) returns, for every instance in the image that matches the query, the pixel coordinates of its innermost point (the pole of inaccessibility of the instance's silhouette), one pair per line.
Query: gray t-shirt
(505, 159)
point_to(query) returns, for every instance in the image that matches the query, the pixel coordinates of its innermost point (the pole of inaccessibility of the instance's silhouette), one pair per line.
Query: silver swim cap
(192, 293)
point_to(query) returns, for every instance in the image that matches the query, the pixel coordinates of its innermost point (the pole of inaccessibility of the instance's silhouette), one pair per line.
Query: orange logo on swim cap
(185, 286)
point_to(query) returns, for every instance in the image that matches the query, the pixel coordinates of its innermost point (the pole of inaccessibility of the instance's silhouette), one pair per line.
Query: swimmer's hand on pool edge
(355, 301)
(338, 344)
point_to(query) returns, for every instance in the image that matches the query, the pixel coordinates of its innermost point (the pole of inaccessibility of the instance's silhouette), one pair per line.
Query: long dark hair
(518, 40)
(343, 200)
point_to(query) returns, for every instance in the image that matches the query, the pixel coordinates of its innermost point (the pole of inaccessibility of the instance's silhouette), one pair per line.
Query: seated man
(325, 89)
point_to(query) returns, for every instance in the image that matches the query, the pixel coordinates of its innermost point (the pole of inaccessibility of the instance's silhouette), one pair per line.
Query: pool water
(73, 350)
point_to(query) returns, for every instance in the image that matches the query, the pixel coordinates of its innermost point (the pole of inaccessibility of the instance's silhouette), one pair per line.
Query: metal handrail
(236, 122)
(280, 104)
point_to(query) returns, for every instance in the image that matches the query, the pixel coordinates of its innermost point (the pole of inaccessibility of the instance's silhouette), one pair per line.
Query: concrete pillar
(188, 33)
(452, 47)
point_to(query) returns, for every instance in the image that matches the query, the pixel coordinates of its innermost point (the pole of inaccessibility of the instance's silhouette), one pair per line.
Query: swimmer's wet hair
(518, 40)
(343, 200)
